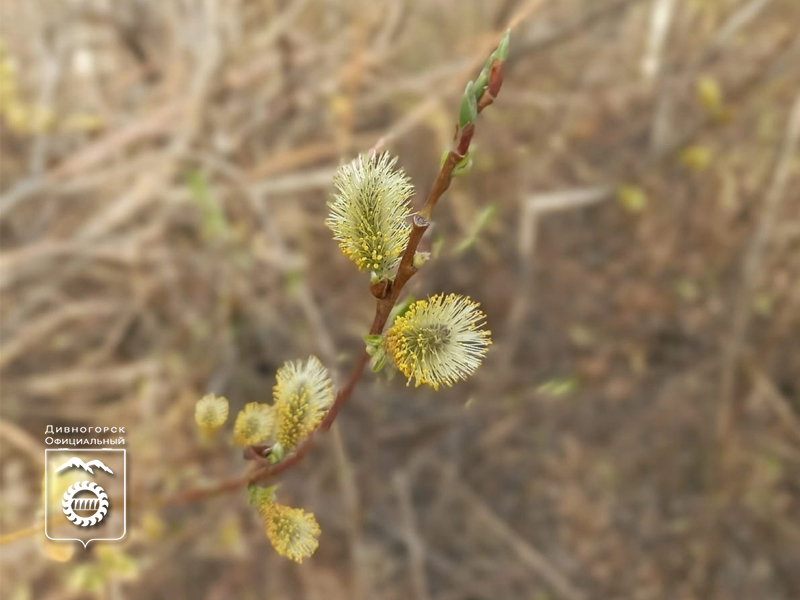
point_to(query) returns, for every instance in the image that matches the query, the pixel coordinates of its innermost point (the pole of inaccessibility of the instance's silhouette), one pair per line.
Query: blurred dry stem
(414, 543)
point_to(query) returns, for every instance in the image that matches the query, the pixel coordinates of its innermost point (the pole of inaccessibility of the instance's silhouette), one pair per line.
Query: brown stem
(441, 184)
(405, 271)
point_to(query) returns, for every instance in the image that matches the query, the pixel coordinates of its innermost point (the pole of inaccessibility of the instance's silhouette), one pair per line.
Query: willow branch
(387, 293)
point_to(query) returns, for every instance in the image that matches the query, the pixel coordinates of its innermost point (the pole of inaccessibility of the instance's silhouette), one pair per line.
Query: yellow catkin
(254, 424)
(295, 420)
(211, 412)
(291, 531)
(438, 341)
(303, 394)
(369, 212)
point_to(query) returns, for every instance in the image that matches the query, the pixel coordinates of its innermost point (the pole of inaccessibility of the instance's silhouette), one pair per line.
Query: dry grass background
(635, 433)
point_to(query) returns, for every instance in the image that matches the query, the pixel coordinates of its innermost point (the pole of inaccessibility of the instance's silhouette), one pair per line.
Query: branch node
(380, 289)
(420, 221)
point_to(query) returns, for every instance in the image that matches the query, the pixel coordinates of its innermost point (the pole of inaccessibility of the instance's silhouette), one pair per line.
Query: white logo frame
(124, 492)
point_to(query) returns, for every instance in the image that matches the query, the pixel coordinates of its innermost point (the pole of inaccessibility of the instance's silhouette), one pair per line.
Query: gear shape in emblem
(99, 503)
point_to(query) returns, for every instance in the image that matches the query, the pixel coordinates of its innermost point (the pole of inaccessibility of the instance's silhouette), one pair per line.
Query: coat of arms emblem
(85, 494)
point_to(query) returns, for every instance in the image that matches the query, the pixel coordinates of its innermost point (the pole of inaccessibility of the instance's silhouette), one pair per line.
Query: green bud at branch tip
(502, 48)
(488, 62)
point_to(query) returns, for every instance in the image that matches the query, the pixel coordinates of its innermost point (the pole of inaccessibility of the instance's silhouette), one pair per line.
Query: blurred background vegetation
(630, 226)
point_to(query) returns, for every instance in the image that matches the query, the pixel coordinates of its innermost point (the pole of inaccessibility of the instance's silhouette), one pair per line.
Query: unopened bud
(373, 342)
(276, 453)
(469, 106)
(464, 166)
(502, 48)
(420, 258)
(481, 82)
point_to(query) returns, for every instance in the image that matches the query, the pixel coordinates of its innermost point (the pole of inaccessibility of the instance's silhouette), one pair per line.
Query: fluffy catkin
(369, 212)
(439, 340)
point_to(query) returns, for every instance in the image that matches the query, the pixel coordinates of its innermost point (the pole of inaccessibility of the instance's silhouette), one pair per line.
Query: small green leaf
(480, 83)
(469, 106)
(502, 48)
